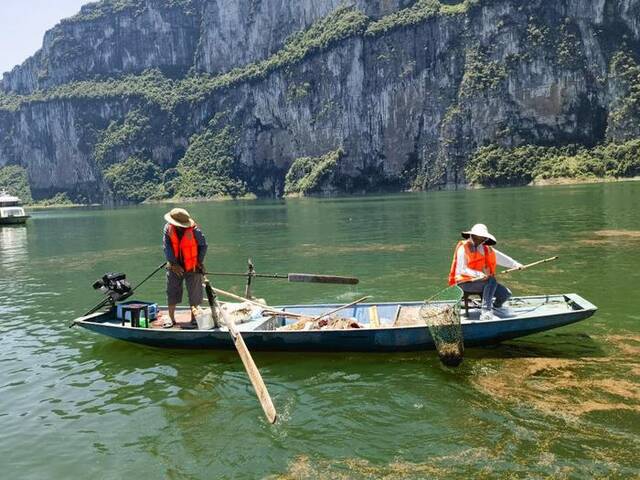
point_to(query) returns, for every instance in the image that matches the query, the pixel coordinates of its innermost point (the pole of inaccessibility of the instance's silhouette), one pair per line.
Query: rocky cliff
(134, 99)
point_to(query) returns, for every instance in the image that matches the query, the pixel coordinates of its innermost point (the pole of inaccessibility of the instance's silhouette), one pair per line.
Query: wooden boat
(387, 327)
(11, 211)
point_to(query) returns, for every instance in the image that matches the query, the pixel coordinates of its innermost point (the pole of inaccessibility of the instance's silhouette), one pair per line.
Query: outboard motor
(115, 286)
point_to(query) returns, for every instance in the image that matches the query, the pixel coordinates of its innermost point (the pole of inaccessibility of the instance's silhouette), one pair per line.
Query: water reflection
(13, 246)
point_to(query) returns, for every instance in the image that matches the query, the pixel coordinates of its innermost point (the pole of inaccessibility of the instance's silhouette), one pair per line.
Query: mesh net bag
(441, 313)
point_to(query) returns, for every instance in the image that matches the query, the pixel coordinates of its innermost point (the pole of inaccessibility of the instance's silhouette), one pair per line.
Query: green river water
(561, 404)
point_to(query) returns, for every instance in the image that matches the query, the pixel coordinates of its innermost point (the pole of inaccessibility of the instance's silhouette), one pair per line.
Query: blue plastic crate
(153, 309)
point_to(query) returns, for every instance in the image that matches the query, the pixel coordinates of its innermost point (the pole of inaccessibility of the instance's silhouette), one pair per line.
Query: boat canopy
(7, 200)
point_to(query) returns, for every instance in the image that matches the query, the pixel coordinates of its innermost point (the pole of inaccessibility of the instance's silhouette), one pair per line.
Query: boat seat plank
(374, 320)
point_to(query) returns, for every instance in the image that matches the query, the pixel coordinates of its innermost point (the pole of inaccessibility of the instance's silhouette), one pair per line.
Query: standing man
(474, 267)
(184, 248)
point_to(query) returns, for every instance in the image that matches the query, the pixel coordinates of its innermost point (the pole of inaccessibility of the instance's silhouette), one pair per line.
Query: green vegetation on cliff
(59, 199)
(307, 175)
(151, 85)
(481, 73)
(209, 168)
(624, 118)
(100, 9)
(13, 179)
(134, 180)
(494, 165)
(134, 128)
(417, 13)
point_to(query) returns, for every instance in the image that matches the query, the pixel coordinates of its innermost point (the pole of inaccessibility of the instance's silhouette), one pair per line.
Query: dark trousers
(490, 289)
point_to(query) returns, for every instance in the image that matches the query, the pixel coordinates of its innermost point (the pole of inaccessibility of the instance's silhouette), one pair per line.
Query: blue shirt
(168, 251)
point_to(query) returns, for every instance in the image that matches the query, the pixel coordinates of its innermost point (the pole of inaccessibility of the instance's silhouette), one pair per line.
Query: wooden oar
(294, 277)
(249, 365)
(550, 259)
(331, 312)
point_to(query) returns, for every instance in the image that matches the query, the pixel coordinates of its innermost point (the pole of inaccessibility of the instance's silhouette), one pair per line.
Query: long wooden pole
(550, 259)
(295, 277)
(331, 312)
(249, 365)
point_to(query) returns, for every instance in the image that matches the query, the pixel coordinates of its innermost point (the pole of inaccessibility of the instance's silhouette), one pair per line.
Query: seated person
(474, 267)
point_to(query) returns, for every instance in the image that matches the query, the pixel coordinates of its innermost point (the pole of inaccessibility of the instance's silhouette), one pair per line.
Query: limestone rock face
(237, 32)
(407, 102)
(110, 42)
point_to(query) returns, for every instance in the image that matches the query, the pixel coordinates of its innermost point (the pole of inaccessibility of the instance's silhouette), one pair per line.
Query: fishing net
(441, 313)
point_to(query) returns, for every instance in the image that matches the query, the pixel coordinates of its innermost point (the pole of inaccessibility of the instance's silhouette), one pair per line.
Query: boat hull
(13, 220)
(383, 339)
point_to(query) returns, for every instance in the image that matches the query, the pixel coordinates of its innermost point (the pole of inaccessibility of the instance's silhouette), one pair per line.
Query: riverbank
(496, 166)
(54, 206)
(537, 182)
(545, 182)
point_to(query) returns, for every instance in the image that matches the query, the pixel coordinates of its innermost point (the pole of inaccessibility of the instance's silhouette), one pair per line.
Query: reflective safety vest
(475, 261)
(185, 249)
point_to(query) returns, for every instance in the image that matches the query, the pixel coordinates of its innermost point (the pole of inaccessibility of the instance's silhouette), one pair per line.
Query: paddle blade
(308, 277)
(256, 380)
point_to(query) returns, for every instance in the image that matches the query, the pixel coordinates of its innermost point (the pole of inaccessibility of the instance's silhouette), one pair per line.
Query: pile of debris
(325, 323)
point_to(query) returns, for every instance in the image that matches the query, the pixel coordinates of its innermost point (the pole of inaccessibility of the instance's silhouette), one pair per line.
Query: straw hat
(180, 218)
(480, 230)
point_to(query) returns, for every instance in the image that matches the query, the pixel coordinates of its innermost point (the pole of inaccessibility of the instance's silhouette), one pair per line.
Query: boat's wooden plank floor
(183, 320)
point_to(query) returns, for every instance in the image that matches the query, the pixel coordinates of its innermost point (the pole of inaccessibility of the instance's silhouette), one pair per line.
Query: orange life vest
(185, 249)
(475, 261)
